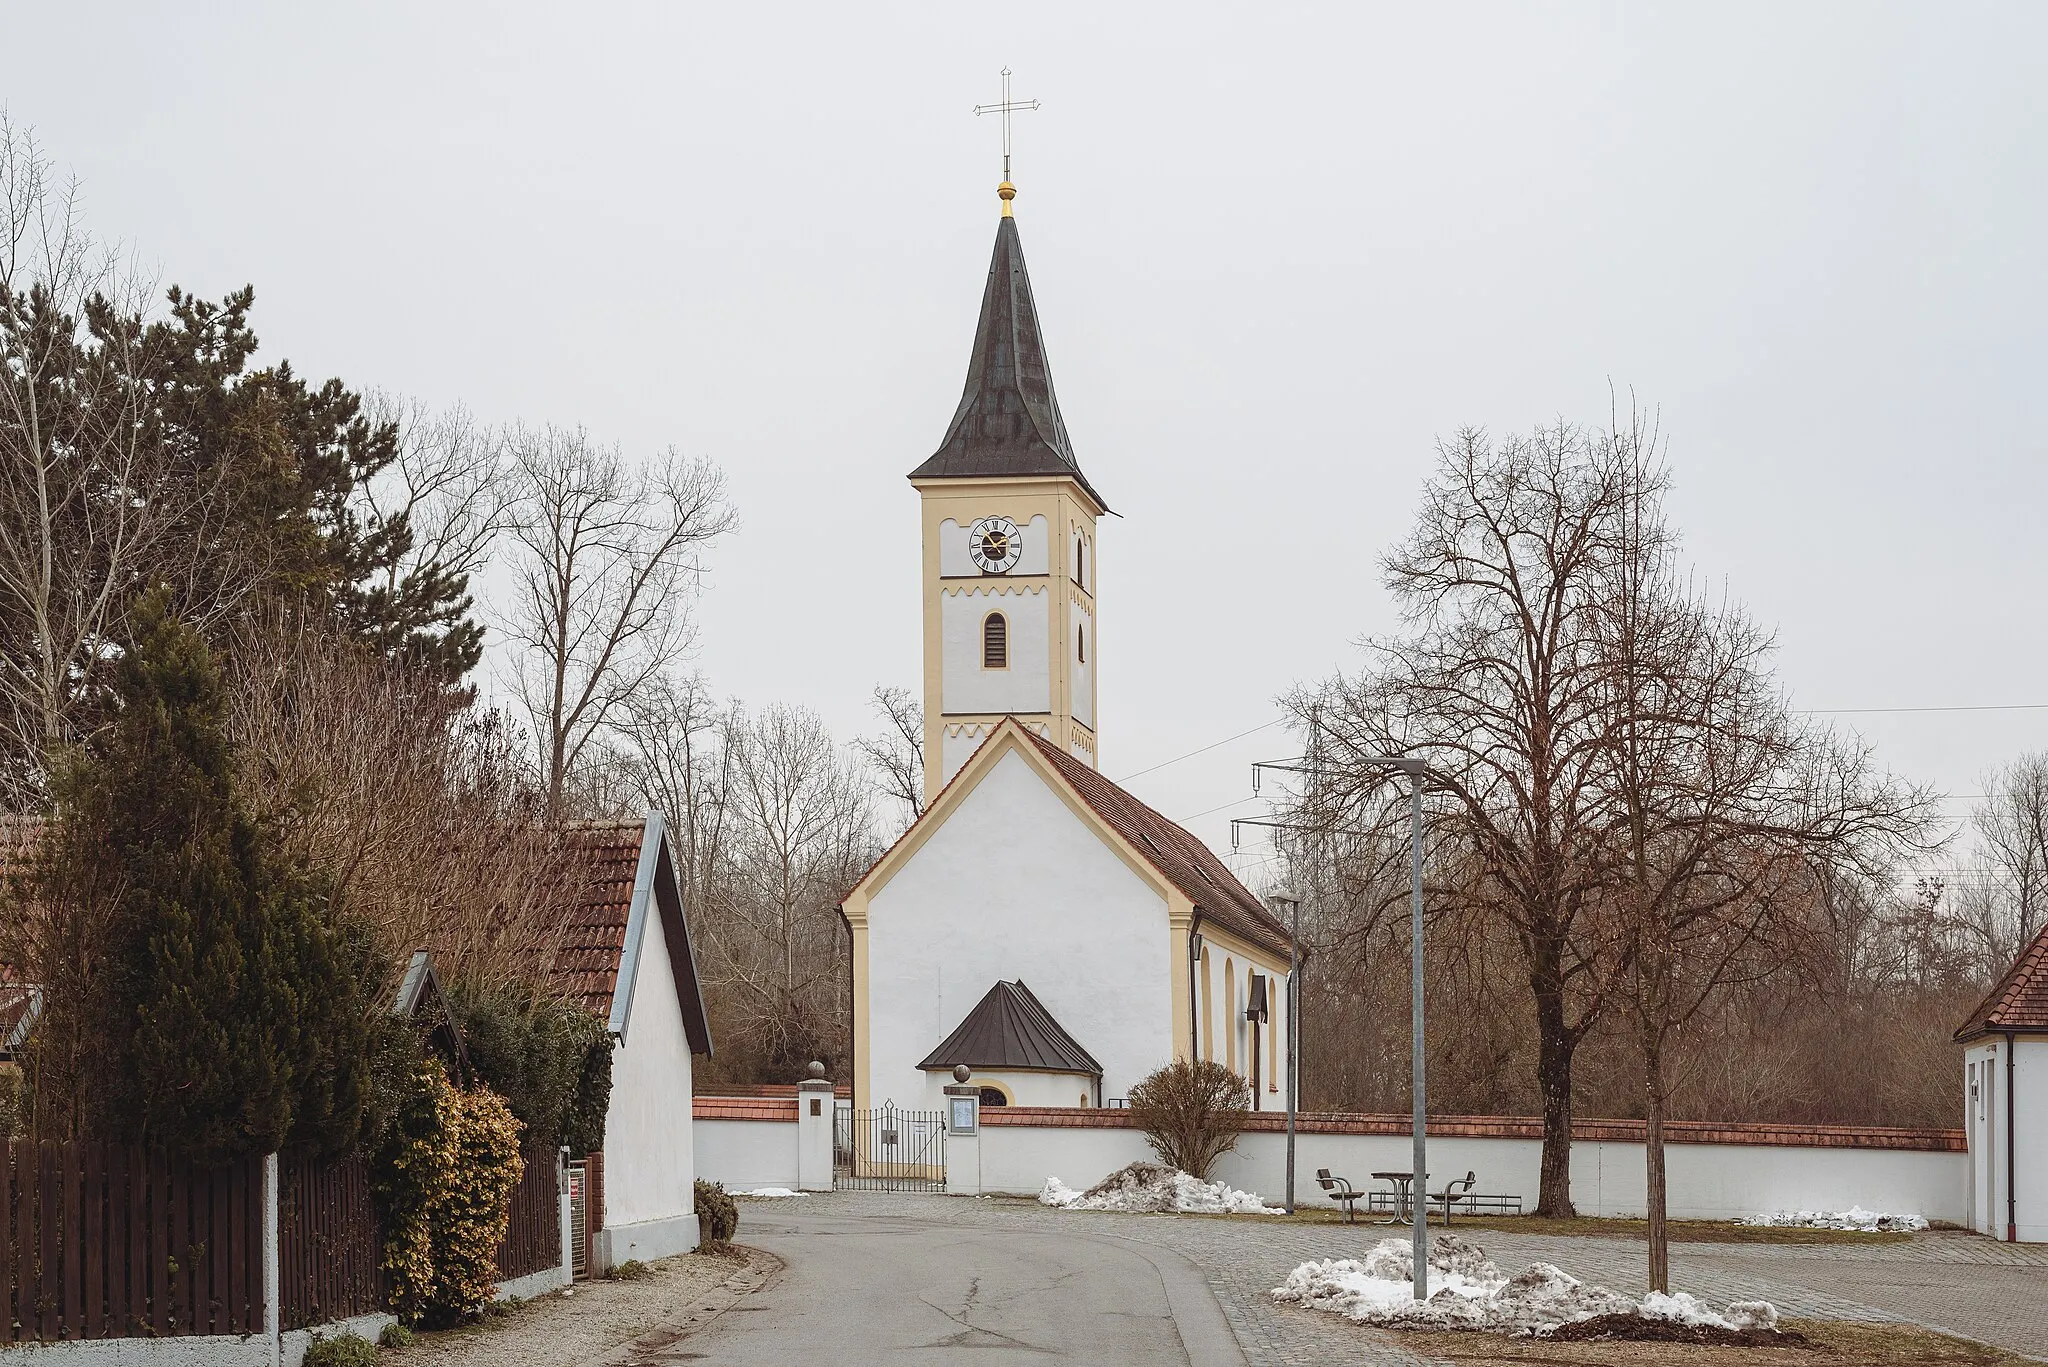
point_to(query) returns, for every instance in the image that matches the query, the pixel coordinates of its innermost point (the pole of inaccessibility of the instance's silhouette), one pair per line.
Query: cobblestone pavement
(1956, 1283)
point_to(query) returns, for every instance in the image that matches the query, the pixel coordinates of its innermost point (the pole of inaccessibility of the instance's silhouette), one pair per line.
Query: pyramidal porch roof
(1010, 1029)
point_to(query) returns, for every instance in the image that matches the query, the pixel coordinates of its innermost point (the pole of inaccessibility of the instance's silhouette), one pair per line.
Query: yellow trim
(1010, 1097)
(1063, 503)
(863, 1058)
(1007, 737)
(1180, 914)
(1208, 1012)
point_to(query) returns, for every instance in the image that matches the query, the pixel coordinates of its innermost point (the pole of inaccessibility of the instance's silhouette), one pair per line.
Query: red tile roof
(743, 1108)
(1186, 862)
(595, 909)
(2020, 999)
(1521, 1127)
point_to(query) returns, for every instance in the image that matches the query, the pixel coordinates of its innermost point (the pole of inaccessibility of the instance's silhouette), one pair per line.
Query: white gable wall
(649, 1167)
(1015, 885)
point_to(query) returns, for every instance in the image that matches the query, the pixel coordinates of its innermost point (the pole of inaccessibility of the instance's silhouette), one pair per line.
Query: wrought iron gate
(579, 1220)
(889, 1150)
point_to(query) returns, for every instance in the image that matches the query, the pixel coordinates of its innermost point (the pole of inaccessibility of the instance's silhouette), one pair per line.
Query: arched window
(1208, 1019)
(995, 642)
(1080, 564)
(994, 1096)
(1081, 643)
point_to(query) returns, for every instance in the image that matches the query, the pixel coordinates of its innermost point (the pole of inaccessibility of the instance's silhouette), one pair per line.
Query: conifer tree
(236, 1015)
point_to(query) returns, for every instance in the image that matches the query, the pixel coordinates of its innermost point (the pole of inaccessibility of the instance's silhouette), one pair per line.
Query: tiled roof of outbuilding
(1186, 862)
(595, 912)
(2019, 1001)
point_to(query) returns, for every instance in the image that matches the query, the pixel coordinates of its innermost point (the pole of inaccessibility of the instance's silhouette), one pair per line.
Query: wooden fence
(114, 1241)
(330, 1250)
(533, 1240)
(102, 1241)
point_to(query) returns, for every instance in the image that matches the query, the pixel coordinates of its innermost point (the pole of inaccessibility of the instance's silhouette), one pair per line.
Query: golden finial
(1006, 191)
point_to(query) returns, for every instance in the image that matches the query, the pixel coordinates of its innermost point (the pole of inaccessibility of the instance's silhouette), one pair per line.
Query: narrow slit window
(1080, 565)
(995, 642)
(1081, 643)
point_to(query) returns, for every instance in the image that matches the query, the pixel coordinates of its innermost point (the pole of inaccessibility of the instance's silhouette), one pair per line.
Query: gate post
(273, 1278)
(963, 1135)
(814, 1131)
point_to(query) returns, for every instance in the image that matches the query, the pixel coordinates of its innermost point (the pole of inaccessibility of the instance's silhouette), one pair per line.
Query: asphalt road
(889, 1289)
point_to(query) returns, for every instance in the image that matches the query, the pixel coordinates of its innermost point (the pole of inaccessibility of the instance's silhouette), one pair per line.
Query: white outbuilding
(2005, 1092)
(625, 953)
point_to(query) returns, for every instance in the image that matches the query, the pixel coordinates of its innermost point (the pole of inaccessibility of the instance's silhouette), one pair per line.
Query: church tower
(1009, 576)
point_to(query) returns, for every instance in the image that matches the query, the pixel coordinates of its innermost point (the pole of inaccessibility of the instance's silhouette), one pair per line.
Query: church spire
(1008, 421)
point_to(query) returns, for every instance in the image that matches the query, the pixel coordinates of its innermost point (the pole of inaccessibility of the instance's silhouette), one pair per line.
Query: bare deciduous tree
(449, 496)
(1496, 688)
(2011, 824)
(425, 819)
(798, 835)
(897, 755)
(607, 559)
(1732, 810)
(675, 752)
(88, 492)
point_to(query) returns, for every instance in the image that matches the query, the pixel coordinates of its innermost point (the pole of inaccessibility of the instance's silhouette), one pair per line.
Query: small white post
(814, 1121)
(273, 1297)
(568, 1215)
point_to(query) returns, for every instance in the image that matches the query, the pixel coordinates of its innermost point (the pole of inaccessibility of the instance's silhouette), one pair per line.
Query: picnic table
(1404, 1187)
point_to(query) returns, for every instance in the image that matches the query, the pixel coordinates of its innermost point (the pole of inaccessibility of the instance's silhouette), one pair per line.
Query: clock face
(995, 545)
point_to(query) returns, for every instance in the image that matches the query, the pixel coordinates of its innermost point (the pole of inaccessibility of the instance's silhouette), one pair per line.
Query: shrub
(343, 1350)
(1191, 1113)
(471, 1218)
(395, 1336)
(549, 1058)
(229, 1007)
(717, 1213)
(631, 1270)
(443, 1175)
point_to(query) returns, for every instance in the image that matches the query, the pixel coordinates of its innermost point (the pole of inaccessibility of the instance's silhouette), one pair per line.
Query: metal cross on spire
(1005, 108)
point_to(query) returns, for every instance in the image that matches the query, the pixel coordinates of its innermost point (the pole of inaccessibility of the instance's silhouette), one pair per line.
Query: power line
(1960, 707)
(1237, 802)
(1203, 751)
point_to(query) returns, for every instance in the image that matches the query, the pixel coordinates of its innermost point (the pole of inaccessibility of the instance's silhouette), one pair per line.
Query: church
(1038, 923)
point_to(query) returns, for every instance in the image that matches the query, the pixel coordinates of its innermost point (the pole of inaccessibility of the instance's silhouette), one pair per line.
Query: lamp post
(1416, 771)
(1293, 905)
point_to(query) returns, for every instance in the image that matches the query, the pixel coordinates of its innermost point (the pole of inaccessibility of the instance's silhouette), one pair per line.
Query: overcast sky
(1277, 251)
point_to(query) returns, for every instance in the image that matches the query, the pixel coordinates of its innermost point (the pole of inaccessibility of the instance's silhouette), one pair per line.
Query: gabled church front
(1029, 867)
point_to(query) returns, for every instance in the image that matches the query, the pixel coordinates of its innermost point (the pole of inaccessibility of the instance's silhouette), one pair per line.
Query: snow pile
(1467, 1291)
(1855, 1217)
(1148, 1188)
(766, 1191)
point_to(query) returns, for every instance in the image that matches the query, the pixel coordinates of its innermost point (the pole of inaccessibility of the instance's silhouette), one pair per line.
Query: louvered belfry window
(995, 642)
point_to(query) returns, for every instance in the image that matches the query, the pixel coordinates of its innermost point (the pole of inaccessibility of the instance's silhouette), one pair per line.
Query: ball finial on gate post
(817, 1069)
(961, 1072)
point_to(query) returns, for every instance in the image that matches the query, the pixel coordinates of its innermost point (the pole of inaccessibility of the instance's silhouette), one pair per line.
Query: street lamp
(1293, 905)
(1416, 771)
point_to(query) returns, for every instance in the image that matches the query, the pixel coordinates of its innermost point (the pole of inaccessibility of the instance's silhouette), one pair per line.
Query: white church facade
(1038, 923)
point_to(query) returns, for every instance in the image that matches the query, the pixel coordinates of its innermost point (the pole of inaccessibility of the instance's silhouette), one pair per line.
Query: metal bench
(1343, 1193)
(1457, 1195)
